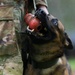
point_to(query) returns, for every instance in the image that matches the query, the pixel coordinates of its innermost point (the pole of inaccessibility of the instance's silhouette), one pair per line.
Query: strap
(44, 65)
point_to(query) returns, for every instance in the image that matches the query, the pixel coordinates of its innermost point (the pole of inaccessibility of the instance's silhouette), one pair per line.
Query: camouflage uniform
(11, 17)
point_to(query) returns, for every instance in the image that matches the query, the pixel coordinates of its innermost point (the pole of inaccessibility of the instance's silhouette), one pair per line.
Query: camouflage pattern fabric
(42, 2)
(10, 58)
(10, 65)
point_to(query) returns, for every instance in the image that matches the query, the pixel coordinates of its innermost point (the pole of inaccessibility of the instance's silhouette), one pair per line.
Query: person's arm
(42, 4)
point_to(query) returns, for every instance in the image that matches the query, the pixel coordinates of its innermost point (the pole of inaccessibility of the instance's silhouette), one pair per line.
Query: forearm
(41, 2)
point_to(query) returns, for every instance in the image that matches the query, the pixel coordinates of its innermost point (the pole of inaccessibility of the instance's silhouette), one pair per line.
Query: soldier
(44, 43)
(11, 20)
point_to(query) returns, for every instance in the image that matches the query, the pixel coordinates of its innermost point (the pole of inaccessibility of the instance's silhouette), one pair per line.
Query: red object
(32, 21)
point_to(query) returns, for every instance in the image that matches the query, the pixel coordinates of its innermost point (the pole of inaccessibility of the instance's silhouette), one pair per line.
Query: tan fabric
(11, 65)
(41, 2)
(9, 51)
(7, 31)
(6, 12)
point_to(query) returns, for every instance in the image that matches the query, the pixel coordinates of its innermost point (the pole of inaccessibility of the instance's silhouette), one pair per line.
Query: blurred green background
(64, 10)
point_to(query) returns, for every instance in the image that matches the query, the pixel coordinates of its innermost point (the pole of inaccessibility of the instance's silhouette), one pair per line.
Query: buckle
(30, 30)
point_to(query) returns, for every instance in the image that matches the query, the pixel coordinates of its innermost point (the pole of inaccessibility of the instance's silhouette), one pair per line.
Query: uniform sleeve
(41, 2)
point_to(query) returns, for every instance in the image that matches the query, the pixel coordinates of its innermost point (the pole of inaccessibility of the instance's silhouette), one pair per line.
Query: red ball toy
(32, 21)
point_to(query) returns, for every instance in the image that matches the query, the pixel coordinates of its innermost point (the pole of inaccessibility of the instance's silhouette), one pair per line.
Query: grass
(72, 63)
